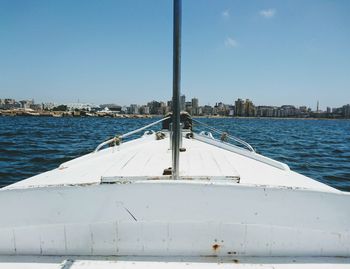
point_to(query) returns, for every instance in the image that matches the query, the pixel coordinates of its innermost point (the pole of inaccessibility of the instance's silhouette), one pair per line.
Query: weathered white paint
(169, 218)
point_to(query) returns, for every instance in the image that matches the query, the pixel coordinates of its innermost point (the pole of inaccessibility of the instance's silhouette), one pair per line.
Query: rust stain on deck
(216, 247)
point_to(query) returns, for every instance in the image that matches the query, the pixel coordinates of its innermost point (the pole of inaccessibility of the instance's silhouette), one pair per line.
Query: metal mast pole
(176, 88)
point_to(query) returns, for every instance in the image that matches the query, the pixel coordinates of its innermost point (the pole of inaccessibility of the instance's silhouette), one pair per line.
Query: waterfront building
(245, 108)
(207, 110)
(144, 110)
(249, 108)
(288, 111)
(134, 109)
(182, 102)
(239, 107)
(346, 111)
(9, 103)
(89, 106)
(337, 112)
(163, 108)
(124, 110)
(188, 107)
(303, 109)
(153, 107)
(25, 104)
(264, 111)
(200, 111)
(195, 106)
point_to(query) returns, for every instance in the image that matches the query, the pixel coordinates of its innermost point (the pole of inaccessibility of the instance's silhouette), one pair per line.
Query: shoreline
(79, 114)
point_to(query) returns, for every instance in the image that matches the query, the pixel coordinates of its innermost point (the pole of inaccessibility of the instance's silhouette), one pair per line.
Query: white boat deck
(84, 209)
(81, 262)
(146, 158)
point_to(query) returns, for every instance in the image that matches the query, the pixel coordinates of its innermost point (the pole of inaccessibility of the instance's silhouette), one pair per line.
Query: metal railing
(120, 137)
(240, 141)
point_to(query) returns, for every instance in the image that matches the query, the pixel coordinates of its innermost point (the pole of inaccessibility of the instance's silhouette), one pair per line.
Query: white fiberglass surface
(147, 157)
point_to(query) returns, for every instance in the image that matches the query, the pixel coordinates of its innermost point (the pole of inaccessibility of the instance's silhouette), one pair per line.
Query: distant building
(25, 104)
(154, 107)
(239, 108)
(266, 111)
(195, 106)
(124, 110)
(134, 109)
(207, 110)
(182, 102)
(36, 106)
(303, 109)
(346, 111)
(170, 104)
(249, 108)
(337, 111)
(144, 110)
(47, 106)
(288, 111)
(90, 107)
(188, 107)
(244, 108)
(9, 103)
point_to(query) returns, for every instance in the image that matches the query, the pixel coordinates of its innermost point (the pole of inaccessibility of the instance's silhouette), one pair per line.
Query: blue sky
(273, 52)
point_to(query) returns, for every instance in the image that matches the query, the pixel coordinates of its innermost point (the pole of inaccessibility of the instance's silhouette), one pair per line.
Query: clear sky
(114, 51)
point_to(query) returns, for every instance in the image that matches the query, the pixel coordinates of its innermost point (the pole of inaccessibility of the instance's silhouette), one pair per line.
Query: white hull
(172, 218)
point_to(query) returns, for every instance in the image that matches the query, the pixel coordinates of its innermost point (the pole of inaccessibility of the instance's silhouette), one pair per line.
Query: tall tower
(195, 106)
(182, 102)
(317, 110)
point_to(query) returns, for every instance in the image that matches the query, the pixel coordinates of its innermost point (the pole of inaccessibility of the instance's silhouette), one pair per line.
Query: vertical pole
(176, 88)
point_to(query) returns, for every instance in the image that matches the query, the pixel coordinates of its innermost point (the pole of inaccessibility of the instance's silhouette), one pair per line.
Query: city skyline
(240, 108)
(316, 106)
(274, 52)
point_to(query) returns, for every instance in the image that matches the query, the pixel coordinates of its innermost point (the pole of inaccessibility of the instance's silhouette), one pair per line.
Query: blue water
(319, 149)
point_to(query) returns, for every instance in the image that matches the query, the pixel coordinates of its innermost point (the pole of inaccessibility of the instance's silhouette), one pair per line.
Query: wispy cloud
(268, 13)
(225, 14)
(230, 42)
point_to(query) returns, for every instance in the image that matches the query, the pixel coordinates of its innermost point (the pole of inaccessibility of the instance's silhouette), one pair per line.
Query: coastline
(59, 114)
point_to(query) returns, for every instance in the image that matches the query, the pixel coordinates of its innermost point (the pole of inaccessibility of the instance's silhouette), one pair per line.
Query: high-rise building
(346, 111)
(195, 102)
(249, 108)
(195, 106)
(182, 102)
(239, 107)
(153, 107)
